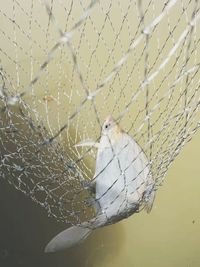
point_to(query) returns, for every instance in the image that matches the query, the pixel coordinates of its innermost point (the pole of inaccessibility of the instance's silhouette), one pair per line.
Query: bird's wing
(135, 168)
(88, 142)
(67, 238)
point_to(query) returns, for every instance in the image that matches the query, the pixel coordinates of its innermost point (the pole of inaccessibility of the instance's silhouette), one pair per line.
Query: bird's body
(122, 179)
(122, 171)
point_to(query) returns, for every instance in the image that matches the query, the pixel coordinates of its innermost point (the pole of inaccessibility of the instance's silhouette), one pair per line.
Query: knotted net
(66, 65)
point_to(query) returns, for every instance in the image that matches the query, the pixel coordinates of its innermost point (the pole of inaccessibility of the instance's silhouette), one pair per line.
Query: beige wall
(169, 236)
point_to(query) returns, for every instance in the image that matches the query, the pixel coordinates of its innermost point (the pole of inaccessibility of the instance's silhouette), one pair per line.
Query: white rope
(135, 61)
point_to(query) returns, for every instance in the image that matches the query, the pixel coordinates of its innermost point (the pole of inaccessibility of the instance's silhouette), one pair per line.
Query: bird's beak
(109, 119)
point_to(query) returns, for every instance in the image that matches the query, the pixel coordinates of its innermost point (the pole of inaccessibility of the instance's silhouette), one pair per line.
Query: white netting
(66, 65)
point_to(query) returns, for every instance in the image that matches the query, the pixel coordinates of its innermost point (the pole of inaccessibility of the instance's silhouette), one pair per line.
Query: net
(66, 65)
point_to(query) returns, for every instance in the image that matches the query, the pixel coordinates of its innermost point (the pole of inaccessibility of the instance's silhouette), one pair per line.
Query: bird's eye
(107, 125)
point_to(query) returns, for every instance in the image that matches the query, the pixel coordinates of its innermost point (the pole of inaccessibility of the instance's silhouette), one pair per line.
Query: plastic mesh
(66, 65)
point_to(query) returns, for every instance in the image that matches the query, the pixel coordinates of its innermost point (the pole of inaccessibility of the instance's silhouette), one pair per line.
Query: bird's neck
(111, 137)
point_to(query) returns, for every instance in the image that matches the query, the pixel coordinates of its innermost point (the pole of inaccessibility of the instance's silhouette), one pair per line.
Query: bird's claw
(89, 186)
(90, 202)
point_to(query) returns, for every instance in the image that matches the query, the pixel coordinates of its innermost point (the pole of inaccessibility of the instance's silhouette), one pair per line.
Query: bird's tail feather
(149, 197)
(67, 238)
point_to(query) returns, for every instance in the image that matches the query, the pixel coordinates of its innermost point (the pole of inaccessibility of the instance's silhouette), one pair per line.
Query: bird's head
(110, 126)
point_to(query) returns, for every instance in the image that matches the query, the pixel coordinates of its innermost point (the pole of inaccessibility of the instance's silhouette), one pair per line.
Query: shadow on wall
(25, 228)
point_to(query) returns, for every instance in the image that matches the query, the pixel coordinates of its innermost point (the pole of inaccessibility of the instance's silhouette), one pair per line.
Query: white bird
(122, 182)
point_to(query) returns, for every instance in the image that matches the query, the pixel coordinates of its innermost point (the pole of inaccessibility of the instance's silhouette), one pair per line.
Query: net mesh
(66, 65)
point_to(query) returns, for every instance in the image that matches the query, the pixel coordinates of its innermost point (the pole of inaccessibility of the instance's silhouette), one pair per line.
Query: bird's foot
(89, 186)
(90, 202)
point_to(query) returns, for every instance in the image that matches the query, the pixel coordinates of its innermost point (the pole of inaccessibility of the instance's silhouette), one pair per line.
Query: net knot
(146, 31)
(13, 100)
(92, 95)
(18, 167)
(66, 37)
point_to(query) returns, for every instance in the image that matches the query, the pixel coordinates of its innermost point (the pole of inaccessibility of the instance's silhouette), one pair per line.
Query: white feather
(67, 238)
(122, 174)
(88, 142)
(122, 179)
